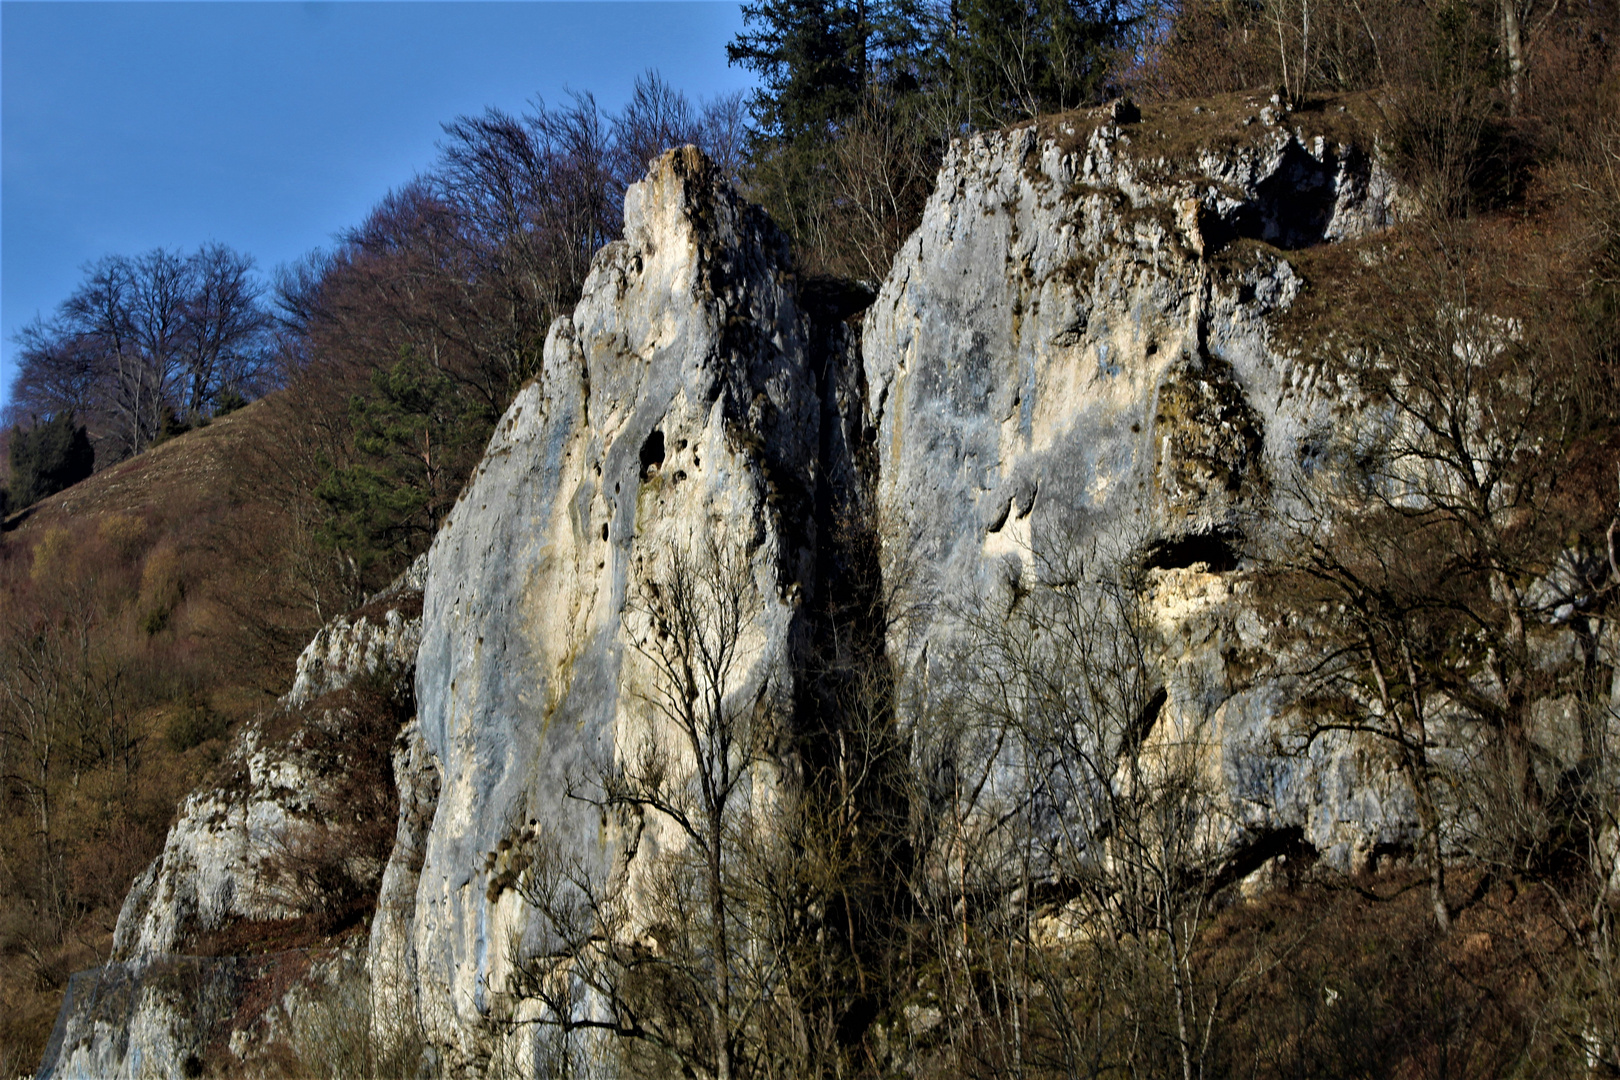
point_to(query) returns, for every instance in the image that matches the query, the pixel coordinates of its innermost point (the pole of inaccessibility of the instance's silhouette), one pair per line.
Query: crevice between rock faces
(1142, 724)
(842, 709)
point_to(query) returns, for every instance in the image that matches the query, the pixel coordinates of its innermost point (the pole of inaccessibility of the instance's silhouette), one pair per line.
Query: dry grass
(125, 593)
(166, 478)
(1178, 132)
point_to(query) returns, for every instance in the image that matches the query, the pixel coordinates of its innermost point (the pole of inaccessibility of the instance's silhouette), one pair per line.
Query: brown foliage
(126, 662)
(328, 865)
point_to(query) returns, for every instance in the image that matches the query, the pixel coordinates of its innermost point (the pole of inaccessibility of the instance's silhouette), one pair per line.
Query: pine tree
(1009, 60)
(415, 440)
(813, 58)
(47, 458)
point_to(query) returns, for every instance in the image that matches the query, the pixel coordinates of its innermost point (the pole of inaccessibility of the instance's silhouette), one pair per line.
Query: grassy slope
(149, 583)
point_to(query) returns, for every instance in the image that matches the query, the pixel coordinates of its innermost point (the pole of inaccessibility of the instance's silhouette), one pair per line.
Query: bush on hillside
(49, 457)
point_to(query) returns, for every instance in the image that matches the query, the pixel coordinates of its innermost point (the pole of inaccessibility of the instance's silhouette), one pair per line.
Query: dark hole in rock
(604, 530)
(1142, 724)
(680, 474)
(1292, 206)
(831, 299)
(1288, 844)
(191, 1066)
(1388, 855)
(1217, 549)
(652, 453)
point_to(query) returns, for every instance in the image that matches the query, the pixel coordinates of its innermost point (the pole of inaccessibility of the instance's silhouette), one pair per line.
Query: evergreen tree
(812, 57)
(51, 456)
(416, 439)
(830, 70)
(1009, 60)
(859, 98)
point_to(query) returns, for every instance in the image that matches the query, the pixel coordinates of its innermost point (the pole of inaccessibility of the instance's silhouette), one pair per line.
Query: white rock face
(141, 1020)
(681, 402)
(1054, 353)
(342, 649)
(209, 871)
(1066, 354)
(391, 957)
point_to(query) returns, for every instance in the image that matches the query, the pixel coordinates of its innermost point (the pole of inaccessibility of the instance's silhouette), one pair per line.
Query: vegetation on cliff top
(148, 609)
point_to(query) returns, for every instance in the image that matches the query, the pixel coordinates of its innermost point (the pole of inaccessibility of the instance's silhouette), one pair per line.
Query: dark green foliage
(822, 62)
(858, 101)
(170, 424)
(810, 56)
(1008, 60)
(415, 441)
(49, 457)
(230, 399)
(844, 144)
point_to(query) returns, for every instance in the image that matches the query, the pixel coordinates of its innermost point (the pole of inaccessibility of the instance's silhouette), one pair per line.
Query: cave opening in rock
(1216, 549)
(652, 453)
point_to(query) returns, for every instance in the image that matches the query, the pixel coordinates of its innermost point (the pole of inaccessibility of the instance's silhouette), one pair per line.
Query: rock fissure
(1066, 360)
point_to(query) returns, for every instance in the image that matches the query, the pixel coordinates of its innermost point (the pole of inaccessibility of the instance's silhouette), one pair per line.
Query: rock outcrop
(1055, 352)
(1074, 348)
(1073, 351)
(681, 405)
(156, 1009)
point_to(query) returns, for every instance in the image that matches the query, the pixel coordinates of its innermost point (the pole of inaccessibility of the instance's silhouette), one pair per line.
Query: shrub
(327, 867)
(230, 399)
(49, 457)
(193, 724)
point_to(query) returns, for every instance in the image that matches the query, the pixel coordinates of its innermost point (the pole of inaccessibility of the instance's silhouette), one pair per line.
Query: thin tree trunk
(1513, 45)
(722, 968)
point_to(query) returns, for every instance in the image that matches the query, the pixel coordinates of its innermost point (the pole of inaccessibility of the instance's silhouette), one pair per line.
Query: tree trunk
(1513, 46)
(722, 968)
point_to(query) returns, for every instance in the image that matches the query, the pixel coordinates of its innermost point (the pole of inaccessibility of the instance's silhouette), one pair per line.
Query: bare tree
(656, 117)
(1431, 552)
(143, 340)
(695, 995)
(223, 334)
(1076, 846)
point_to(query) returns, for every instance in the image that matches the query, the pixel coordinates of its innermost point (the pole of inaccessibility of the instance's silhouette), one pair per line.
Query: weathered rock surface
(1073, 351)
(211, 864)
(682, 402)
(141, 1019)
(154, 1009)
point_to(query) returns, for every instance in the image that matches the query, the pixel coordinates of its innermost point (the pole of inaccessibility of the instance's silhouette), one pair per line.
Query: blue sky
(270, 126)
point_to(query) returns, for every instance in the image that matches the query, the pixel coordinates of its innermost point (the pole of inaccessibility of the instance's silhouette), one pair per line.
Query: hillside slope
(1089, 649)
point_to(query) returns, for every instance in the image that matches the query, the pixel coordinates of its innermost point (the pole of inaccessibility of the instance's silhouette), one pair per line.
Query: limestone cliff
(683, 401)
(1073, 347)
(1056, 350)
